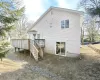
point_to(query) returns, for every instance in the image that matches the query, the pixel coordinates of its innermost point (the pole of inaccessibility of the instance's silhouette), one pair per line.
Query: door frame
(65, 48)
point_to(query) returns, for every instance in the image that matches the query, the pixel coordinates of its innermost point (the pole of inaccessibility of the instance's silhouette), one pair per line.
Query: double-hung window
(65, 24)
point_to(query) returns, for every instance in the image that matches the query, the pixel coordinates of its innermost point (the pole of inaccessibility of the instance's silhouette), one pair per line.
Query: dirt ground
(20, 66)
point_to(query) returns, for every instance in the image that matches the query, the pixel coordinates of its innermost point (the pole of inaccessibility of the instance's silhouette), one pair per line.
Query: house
(61, 30)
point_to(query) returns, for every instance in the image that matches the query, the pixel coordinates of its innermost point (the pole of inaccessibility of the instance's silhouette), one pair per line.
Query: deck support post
(30, 53)
(15, 49)
(24, 51)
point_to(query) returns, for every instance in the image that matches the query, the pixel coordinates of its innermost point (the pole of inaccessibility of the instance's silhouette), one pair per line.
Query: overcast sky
(35, 8)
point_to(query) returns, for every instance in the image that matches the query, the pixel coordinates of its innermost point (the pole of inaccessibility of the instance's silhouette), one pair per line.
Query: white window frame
(65, 48)
(65, 24)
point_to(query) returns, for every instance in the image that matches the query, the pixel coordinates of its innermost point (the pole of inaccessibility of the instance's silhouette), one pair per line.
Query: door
(38, 36)
(60, 48)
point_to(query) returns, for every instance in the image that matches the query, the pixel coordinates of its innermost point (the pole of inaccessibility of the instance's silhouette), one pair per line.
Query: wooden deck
(21, 43)
(31, 45)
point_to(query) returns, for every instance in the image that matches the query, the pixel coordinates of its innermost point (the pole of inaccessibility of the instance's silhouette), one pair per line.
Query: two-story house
(61, 29)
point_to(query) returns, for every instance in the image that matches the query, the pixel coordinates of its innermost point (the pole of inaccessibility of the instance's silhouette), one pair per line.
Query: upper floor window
(65, 24)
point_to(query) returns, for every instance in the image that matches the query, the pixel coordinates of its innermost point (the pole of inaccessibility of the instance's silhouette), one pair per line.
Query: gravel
(45, 73)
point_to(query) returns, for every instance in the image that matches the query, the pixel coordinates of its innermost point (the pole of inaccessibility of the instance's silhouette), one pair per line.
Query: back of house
(61, 29)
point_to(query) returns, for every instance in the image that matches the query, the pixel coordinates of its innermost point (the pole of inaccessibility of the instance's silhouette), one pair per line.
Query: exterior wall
(30, 35)
(49, 28)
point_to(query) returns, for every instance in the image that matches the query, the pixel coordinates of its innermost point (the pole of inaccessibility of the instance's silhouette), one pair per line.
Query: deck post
(29, 44)
(30, 53)
(15, 49)
(24, 51)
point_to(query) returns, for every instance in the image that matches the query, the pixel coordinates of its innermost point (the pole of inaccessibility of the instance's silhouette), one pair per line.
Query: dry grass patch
(8, 65)
(87, 50)
(97, 46)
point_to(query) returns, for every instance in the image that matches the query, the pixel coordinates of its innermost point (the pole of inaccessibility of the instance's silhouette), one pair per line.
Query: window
(65, 24)
(62, 24)
(38, 36)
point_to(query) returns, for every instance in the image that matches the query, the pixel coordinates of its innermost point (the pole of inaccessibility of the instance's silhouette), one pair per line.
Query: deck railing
(41, 42)
(34, 50)
(39, 48)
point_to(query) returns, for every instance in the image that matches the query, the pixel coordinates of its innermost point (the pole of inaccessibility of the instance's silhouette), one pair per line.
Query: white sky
(35, 8)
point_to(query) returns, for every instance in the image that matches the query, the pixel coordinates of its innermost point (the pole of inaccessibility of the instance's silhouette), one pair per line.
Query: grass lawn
(20, 66)
(96, 46)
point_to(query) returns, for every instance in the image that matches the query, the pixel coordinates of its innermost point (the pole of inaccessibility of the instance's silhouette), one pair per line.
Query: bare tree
(21, 27)
(92, 31)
